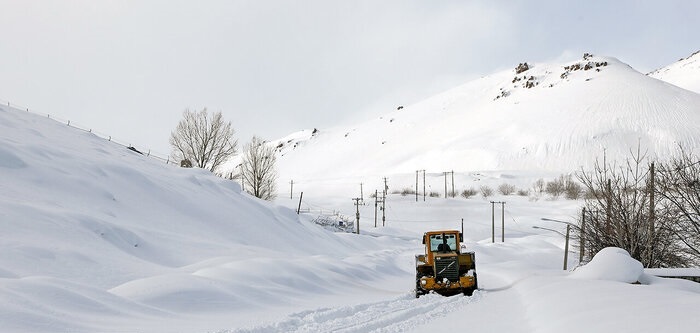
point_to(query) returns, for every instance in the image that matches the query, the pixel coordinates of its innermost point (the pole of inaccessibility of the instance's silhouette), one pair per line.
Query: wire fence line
(143, 151)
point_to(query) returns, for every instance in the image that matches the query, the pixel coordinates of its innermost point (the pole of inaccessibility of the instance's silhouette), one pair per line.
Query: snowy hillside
(685, 73)
(95, 236)
(555, 117)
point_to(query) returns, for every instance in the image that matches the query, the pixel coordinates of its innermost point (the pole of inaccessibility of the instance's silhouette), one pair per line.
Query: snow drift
(612, 263)
(95, 235)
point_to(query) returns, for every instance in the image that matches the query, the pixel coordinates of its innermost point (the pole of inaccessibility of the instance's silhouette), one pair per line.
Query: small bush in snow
(485, 191)
(572, 189)
(506, 189)
(566, 185)
(406, 191)
(538, 186)
(434, 195)
(469, 193)
(555, 188)
(523, 193)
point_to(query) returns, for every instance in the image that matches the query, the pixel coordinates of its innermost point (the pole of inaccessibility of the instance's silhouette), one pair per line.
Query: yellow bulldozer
(444, 268)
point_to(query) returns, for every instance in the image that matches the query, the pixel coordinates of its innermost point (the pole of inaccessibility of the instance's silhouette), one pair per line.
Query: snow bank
(611, 263)
(94, 230)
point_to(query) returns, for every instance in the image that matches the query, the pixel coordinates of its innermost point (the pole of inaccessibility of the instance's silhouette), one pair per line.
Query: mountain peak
(684, 73)
(556, 117)
(529, 76)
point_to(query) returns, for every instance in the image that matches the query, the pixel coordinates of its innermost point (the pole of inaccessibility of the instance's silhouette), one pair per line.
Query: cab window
(436, 240)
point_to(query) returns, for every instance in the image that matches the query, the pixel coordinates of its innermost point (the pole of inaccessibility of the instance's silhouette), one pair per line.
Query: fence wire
(144, 151)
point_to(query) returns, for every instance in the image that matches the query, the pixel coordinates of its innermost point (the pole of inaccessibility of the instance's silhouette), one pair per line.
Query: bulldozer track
(395, 315)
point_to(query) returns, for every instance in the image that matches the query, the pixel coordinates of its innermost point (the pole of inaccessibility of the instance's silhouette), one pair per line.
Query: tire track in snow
(395, 315)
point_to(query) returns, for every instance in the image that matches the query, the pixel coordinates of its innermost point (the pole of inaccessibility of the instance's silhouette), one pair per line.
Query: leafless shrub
(469, 193)
(406, 191)
(555, 188)
(572, 189)
(506, 189)
(539, 186)
(485, 191)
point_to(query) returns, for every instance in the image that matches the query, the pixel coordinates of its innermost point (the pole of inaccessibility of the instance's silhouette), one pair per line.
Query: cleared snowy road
(394, 315)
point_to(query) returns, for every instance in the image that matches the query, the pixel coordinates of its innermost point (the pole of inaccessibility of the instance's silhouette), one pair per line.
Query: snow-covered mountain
(556, 117)
(684, 73)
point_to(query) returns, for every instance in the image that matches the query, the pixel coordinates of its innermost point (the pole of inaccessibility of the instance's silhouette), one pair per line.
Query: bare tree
(258, 169)
(204, 139)
(620, 213)
(678, 186)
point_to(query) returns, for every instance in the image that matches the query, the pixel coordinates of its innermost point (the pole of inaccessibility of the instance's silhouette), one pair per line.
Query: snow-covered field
(98, 238)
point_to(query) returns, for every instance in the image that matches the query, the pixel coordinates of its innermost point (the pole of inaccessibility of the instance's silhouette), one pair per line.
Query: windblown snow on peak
(557, 117)
(684, 73)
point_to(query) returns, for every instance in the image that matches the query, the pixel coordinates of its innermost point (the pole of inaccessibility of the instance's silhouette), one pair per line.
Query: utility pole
(362, 195)
(423, 184)
(445, 174)
(608, 203)
(291, 190)
(652, 216)
(386, 187)
(566, 247)
(493, 221)
(299, 208)
(453, 183)
(503, 222)
(384, 210)
(582, 236)
(357, 214)
(417, 171)
(376, 200)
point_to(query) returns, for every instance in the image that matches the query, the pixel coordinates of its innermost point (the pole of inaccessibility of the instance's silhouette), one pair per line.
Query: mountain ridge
(547, 117)
(684, 73)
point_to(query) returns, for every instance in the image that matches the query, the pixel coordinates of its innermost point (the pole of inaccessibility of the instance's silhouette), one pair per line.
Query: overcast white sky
(129, 68)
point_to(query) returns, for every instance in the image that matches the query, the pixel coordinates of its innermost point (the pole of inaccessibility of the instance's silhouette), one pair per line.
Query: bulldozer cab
(443, 242)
